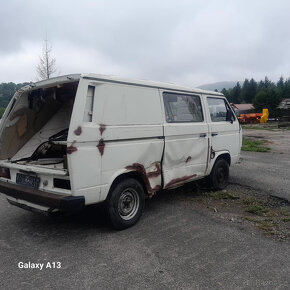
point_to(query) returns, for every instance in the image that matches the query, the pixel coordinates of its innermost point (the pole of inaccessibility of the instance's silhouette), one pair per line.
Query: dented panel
(142, 156)
(151, 178)
(186, 152)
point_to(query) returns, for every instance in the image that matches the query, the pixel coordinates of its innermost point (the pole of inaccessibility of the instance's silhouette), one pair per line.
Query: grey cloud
(160, 40)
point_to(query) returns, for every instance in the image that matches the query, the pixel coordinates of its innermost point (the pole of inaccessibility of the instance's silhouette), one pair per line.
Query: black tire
(219, 176)
(125, 203)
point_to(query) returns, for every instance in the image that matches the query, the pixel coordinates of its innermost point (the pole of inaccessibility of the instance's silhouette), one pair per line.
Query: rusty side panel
(101, 146)
(179, 180)
(78, 131)
(147, 175)
(155, 173)
(102, 128)
(71, 149)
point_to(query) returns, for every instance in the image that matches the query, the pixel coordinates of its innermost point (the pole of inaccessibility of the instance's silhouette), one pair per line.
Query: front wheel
(125, 203)
(219, 176)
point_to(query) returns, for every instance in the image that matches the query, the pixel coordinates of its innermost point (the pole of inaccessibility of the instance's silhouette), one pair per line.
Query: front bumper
(53, 201)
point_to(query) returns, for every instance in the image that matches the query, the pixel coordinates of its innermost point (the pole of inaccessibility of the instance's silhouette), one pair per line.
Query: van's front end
(34, 170)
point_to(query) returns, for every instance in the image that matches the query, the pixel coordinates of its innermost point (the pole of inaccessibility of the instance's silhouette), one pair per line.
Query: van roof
(146, 83)
(116, 79)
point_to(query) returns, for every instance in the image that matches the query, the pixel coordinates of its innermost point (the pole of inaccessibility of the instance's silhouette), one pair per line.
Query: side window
(182, 108)
(89, 104)
(219, 109)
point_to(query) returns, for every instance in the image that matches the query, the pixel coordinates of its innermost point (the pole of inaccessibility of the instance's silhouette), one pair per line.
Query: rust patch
(155, 173)
(179, 180)
(188, 159)
(78, 131)
(137, 167)
(71, 149)
(141, 169)
(101, 146)
(156, 188)
(152, 193)
(102, 128)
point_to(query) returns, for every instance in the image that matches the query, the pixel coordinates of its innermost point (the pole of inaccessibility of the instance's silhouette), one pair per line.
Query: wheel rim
(128, 204)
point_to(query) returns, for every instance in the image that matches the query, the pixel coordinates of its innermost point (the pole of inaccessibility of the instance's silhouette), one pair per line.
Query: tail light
(4, 172)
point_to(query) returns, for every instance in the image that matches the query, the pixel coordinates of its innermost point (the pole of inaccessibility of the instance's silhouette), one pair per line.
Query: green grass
(261, 127)
(2, 112)
(256, 209)
(255, 145)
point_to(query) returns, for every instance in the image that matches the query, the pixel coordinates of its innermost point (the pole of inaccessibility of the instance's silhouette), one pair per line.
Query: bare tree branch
(46, 67)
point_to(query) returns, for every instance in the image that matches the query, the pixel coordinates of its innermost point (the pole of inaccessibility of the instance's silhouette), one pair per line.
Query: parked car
(77, 140)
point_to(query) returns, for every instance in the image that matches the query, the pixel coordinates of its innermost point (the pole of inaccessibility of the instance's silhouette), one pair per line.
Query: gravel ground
(188, 238)
(266, 172)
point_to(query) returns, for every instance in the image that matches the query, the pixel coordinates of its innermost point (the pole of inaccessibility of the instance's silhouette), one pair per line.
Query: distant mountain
(219, 85)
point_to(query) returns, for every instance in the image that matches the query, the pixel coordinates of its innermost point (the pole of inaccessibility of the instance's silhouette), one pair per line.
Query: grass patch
(265, 225)
(222, 195)
(262, 126)
(250, 218)
(257, 209)
(2, 110)
(285, 212)
(272, 128)
(286, 220)
(254, 145)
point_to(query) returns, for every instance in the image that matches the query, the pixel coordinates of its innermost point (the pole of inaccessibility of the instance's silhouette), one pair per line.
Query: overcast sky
(184, 42)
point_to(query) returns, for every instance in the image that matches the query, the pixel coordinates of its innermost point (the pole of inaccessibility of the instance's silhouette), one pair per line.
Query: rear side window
(89, 104)
(218, 109)
(182, 108)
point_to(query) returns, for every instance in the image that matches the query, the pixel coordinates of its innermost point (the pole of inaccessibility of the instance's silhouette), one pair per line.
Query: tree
(236, 93)
(245, 95)
(268, 98)
(253, 89)
(46, 67)
(280, 83)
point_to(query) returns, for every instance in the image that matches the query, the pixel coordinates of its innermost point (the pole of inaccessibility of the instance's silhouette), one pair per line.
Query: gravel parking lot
(190, 238)
(266, 172)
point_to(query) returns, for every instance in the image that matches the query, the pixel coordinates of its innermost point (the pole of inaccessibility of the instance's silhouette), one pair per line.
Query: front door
(186, 138)
(224, 127)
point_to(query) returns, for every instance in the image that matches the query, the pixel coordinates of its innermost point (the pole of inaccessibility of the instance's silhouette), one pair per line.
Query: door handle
(202, 135)
(214, 134)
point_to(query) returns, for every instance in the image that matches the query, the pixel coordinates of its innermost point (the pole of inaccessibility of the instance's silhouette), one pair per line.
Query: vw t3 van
(77, 140)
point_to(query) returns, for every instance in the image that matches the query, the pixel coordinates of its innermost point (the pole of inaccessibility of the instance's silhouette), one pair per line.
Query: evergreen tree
(252, 91)
(236, 93)
(280, 83)
(268, 98)
(245, 93)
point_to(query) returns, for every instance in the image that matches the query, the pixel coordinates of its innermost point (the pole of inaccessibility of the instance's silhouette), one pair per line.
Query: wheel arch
(219, 155)
(125, 175)
(226, 156)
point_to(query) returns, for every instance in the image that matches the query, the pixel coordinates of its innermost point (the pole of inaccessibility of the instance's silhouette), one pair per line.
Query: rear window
(182, 108)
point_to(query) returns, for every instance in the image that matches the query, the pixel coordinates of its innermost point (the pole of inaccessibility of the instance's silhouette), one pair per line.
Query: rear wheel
(219, 176)
(125, 203)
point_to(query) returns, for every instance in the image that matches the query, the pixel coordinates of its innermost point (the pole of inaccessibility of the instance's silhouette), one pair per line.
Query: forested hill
(7, 91)
(263, 94)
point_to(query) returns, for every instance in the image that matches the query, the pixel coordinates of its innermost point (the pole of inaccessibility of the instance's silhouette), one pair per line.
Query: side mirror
(230, 116)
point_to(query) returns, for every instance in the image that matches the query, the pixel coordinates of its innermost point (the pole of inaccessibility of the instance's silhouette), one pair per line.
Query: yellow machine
(265, 116)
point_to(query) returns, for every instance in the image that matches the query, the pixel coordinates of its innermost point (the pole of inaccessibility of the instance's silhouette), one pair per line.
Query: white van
(77, 140)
